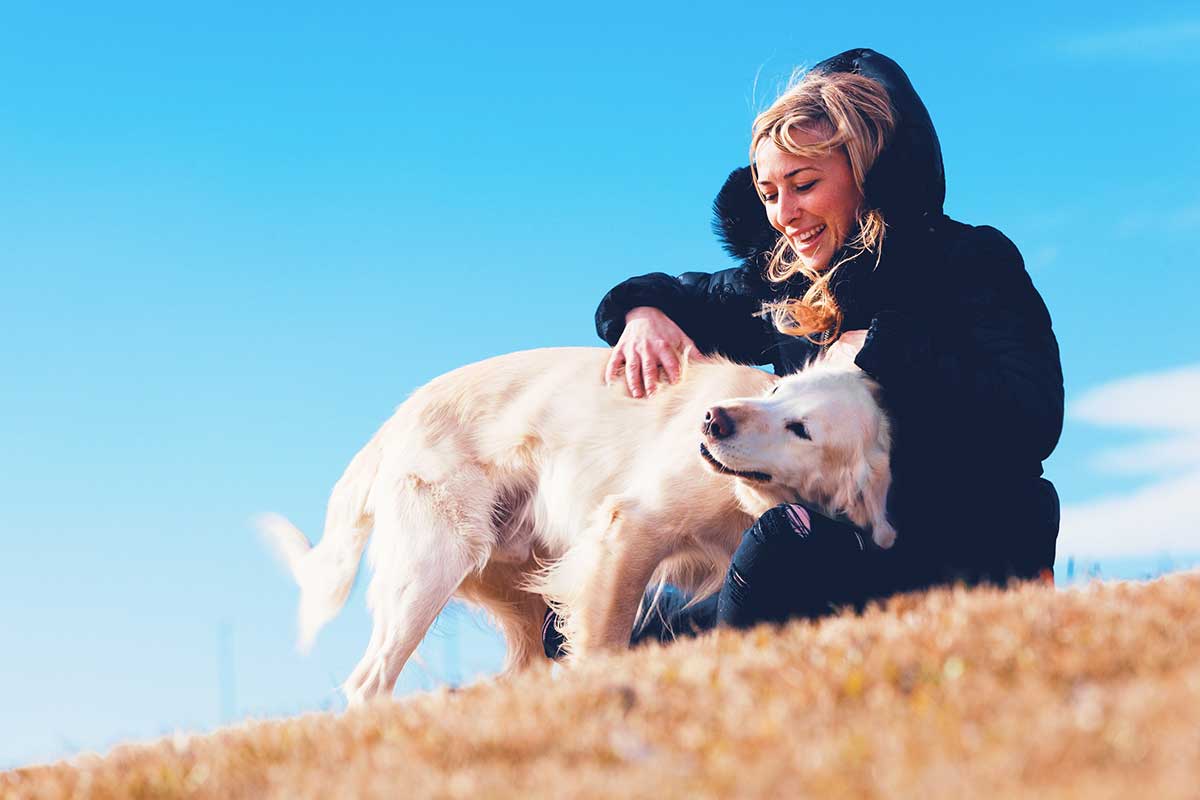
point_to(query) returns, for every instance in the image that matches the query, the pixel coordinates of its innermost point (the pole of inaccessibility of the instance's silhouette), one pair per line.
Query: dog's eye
(775, 389)
(798, 429)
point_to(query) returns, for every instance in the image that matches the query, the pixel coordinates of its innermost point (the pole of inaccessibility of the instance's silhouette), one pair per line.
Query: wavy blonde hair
(855, 114)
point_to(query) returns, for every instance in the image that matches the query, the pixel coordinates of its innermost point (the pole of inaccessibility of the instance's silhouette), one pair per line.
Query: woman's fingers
(670, 364)
(641, 368)
(633, 377)
(650, 342)
(613, 368)
(636, 368)
(649, 372)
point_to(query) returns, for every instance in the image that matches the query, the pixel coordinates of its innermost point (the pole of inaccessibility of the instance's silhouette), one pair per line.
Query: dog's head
(819, 437)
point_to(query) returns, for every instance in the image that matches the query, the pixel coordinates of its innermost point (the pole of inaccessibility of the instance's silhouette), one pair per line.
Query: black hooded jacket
(958, 337)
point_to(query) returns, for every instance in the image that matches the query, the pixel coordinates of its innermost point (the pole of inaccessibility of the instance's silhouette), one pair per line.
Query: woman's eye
(769, 198)
(804, 187)
(798, 429)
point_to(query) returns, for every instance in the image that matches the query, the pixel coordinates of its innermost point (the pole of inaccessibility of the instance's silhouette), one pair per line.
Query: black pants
(782, 570)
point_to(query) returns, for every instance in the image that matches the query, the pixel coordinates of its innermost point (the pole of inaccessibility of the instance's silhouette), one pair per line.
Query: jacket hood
(907, 183)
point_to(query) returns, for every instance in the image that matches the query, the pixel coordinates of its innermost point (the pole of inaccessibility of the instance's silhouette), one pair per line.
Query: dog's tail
(326, 572)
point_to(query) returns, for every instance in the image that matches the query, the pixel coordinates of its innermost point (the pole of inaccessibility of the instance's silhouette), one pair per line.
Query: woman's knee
(791, 562)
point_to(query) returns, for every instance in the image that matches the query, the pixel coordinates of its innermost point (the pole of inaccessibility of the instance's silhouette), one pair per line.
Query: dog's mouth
(750, 475)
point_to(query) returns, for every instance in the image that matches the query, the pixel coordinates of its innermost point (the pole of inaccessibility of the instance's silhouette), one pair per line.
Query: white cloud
(1169, 40)
(1156, 457)
(1159, 401)
(1165, 515)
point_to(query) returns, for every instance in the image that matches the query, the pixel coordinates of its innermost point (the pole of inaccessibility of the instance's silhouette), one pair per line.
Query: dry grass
(1082, 693)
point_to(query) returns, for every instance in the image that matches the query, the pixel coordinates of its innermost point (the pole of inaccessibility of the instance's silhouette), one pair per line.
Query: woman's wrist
(642, 312)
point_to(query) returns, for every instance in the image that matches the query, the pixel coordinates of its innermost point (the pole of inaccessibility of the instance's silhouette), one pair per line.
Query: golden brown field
(1091, 692)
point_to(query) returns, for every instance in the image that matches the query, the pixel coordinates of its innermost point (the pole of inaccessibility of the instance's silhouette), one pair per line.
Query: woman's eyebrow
(790, 174)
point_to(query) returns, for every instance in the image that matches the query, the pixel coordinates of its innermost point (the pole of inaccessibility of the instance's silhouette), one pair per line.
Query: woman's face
(814, 202)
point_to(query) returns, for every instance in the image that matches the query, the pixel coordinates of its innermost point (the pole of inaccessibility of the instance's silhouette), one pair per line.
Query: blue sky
(233, 239)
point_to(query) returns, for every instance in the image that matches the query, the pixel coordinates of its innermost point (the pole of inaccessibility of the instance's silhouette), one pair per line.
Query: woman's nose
(786, 210)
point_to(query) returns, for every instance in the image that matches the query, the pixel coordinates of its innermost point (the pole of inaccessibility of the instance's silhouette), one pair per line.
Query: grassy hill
(1088, 692)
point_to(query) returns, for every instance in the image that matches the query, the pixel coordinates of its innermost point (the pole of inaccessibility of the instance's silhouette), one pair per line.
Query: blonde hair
(855, 114)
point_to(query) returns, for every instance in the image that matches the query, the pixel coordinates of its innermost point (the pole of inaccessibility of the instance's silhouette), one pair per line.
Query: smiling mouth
(760, 477)
(809, 238)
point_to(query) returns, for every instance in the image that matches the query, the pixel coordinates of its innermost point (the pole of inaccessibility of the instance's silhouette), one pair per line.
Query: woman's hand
(650, 341)
(846, 348)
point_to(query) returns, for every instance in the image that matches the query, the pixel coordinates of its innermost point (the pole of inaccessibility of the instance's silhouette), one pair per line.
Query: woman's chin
(816, 262)
(815, 259)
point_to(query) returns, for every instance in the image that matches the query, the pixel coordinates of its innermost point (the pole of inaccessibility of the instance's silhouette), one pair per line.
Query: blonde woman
(844, 248)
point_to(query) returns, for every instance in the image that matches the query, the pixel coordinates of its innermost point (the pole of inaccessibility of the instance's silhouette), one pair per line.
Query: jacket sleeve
(989, 369)
(717, 310)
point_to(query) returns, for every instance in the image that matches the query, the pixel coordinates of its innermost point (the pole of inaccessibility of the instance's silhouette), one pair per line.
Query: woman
(854, 255)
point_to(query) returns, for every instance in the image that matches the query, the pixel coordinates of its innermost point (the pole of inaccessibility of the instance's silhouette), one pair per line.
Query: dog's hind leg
(421, 552)
(519, 614)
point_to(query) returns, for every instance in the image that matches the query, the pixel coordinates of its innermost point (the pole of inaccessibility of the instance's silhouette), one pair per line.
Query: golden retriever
(524, 481)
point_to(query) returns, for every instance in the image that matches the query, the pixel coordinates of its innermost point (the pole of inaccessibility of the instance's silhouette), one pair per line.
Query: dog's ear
(875, 482)
(863, 491)
(878, 478)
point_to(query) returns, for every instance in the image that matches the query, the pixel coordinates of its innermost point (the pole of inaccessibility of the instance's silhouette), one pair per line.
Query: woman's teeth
(804, 237)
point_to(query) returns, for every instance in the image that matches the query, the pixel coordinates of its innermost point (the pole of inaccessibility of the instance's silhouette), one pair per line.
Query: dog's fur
(523, 481)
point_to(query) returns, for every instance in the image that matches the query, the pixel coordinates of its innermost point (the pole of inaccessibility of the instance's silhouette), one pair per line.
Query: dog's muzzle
(750, 475)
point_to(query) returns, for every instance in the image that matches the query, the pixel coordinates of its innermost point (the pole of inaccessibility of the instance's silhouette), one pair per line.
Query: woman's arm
(651, 318)
(715, 309)
(986, 368)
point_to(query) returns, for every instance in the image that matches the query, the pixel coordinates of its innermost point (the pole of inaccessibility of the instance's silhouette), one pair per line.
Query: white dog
(523, 481)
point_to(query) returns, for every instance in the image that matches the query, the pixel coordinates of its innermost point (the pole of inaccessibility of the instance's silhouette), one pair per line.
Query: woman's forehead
(771, 163)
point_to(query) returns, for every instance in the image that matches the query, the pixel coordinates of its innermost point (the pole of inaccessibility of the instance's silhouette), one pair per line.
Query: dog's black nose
(717, 423)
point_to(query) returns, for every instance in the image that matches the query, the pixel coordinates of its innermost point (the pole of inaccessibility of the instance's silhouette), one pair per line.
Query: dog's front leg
(628, 552)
